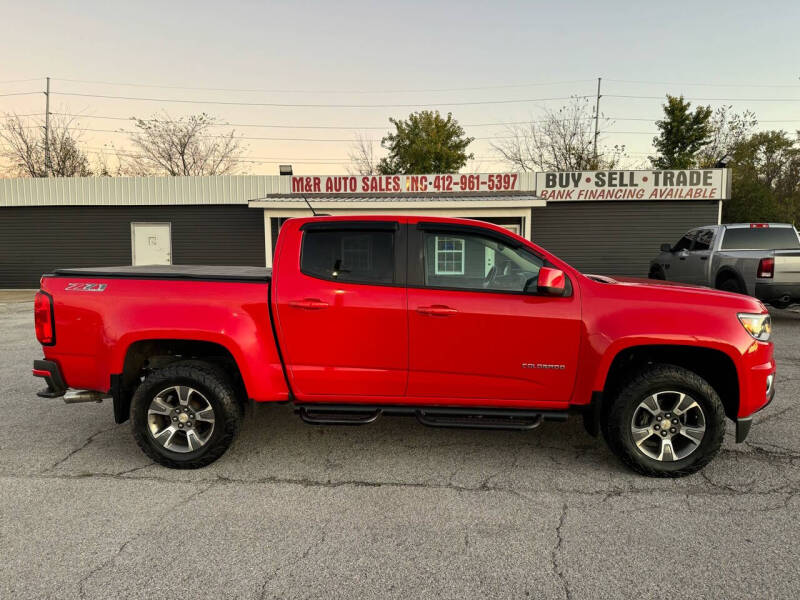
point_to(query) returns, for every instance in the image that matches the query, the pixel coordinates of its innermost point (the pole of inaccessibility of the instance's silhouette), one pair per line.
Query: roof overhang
(426, 202)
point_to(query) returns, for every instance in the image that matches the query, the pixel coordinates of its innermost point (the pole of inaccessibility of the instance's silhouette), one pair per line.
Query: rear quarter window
(763, 238)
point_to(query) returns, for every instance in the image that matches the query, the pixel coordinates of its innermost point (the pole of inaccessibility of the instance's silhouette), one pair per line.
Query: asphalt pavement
(390, 510)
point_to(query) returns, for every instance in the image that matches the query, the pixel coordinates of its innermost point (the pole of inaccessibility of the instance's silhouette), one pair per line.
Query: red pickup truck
(456, 322)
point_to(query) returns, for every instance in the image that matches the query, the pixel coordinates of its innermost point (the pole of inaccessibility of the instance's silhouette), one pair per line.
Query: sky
(486, 62)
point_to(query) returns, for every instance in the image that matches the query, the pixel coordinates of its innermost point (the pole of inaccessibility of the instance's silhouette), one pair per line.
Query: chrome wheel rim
(668, 426)
(180, 419)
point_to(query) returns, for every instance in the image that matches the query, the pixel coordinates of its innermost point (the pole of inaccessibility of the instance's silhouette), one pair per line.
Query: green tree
(683, 134)
(425, 143)
(766, 179)
(729, 130)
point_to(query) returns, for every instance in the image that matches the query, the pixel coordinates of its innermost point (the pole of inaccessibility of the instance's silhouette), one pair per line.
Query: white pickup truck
(758, 259)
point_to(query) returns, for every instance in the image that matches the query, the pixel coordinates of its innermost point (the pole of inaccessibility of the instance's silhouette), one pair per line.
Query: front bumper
(50, 372)
(743, 423)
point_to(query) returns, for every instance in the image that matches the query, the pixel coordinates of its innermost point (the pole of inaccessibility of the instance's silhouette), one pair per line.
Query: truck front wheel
(185, 416)
(665, 421)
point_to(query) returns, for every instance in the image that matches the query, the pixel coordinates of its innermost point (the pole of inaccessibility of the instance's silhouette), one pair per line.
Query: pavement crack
(134, 469)
(112, 559)
(304, 555)
(72, 453)
(555, 555)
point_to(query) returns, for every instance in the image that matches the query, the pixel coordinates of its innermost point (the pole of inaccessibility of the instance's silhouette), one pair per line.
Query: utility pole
(47, 130)
(596, 119)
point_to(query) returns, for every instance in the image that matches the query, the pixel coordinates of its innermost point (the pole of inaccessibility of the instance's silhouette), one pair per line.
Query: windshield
(761, 238)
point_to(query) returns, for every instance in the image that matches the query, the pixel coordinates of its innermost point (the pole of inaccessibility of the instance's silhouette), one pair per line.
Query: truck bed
(193, 272)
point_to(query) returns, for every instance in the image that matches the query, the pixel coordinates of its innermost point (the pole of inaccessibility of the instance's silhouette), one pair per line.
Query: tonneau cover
(199, 272)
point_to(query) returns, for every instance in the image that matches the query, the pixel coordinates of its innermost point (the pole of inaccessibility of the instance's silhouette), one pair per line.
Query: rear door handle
(308, 304)
(437, 310)
(703, 258)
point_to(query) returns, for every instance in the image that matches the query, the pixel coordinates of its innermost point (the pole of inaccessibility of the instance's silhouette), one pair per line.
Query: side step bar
(479, 420)
(432, 416)
(339, 416)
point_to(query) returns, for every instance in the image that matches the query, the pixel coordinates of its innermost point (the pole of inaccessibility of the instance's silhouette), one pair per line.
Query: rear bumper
(767, 292)
(50, 372)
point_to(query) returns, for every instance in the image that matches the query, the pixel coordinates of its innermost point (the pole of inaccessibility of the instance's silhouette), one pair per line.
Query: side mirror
(666, 247)
(551, 282)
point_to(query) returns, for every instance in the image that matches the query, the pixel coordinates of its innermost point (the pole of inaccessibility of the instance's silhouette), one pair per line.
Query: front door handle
(308, 304)
(437, 310)
(703, 258)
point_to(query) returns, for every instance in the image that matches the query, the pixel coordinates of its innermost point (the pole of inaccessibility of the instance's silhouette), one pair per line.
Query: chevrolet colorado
(456, 322)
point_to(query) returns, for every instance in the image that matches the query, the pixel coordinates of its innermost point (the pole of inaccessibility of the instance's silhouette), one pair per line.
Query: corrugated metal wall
(616, 238)
(115, 191)
(35, 240)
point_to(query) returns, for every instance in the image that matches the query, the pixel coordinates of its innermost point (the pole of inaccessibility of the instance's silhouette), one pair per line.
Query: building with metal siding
(618, 237)
(75, 222)
(35, 240)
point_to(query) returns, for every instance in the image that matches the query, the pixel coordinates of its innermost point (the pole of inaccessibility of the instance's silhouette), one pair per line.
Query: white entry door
(151, 244)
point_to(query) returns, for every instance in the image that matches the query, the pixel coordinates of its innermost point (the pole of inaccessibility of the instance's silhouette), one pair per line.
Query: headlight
(757, 325)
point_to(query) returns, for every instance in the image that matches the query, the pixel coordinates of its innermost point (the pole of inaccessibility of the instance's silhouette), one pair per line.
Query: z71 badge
(85, 287)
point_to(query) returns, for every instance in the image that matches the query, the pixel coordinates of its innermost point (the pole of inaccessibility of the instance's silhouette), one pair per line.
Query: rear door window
(350, 255)
(760, 238)
(702, 239)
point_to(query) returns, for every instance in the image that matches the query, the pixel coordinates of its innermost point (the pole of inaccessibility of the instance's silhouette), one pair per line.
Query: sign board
(406, 184)
(689, 184)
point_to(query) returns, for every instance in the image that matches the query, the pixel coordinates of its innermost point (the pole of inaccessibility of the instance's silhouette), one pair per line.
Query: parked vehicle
(758, 259)
(456, 322)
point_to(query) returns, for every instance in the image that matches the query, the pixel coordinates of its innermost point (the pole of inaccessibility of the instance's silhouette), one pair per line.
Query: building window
(449, 256)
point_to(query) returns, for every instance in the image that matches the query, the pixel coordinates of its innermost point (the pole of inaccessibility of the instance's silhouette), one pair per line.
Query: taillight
(766, 267)
(43, 319)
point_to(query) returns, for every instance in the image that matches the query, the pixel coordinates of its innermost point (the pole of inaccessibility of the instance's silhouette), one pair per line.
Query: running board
(432, 416)
(338, 415)
(478, 420)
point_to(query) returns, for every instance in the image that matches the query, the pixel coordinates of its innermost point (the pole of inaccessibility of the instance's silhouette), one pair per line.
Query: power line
(21, 94)
(707, 84)
(272, 139)
(339, 127)
(289, 105)
(703, 99)
(289, 91)
(332, 159)
(373, 127)
(21, 80)
(29, 115)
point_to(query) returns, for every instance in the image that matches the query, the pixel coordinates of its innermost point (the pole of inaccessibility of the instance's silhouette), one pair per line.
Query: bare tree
(729, 130)
(561, 140)
(362, 157)
(23, 147)
(183, 146)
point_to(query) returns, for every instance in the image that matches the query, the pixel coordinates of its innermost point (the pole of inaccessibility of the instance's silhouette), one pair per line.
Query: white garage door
(151, 244)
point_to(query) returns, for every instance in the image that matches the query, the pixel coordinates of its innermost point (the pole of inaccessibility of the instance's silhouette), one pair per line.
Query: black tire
(780, 303)
(730, 285)
(616, 424)
(657, 273)
(212, 382)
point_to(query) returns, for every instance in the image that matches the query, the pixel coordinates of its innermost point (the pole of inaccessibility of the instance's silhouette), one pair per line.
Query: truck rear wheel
(665, 421)
(185, 416)
(730, 285)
